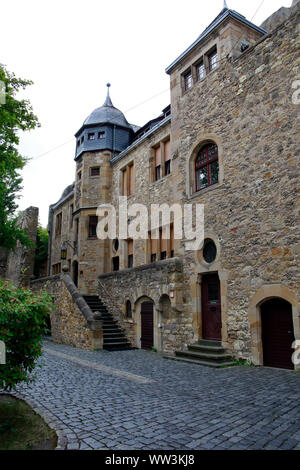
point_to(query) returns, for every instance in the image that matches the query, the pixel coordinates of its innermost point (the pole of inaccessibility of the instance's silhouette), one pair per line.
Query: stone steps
(206, 353)
(113, 337)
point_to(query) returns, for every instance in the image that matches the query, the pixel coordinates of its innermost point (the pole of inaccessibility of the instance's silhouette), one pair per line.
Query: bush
(23, 317)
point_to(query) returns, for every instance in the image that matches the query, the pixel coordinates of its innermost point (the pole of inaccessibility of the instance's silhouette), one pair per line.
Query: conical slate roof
(107, 114)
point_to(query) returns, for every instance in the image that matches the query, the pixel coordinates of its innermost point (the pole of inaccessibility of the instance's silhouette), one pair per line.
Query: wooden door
(211, 308)
(277, 333)
(147, 325)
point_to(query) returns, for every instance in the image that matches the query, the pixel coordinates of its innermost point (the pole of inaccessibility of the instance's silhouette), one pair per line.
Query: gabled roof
(225, 13)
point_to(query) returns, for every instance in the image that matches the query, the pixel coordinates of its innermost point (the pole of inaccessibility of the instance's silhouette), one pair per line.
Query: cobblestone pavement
(138, 400)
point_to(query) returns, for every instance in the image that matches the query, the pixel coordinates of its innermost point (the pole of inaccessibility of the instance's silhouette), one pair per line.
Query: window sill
(206, 190)
(161, 180)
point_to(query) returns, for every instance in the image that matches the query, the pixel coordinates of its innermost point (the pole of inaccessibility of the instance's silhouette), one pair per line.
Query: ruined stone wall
(20, 262)
(68, 325)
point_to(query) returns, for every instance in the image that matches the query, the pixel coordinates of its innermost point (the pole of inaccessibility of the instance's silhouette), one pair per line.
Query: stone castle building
(228, 140)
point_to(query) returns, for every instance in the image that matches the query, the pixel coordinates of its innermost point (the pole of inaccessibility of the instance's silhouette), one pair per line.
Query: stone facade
(244, 106)
(17, 265)
(72, 322)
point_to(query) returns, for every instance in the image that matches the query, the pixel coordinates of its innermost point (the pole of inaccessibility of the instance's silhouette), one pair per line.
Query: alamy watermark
(2, 92)
(135, 222)
(296, 94)
(2, 353)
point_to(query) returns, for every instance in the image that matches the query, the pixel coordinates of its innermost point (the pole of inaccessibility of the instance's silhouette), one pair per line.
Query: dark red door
(211, 308)
(277, 333)
(147, 325)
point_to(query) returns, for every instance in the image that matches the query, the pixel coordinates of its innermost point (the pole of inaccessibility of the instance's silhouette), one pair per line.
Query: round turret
(106, 128)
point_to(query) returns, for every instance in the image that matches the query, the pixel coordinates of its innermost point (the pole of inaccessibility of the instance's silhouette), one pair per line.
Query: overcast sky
(71, 49)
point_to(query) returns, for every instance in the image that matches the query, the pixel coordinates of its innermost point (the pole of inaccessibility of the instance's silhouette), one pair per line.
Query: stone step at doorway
(205, 353)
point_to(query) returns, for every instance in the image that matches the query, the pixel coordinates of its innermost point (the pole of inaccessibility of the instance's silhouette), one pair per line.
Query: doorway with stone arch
(277, 331)
(274, 317)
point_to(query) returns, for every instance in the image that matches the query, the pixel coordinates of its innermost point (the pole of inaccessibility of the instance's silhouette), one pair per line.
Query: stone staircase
(205, 353)
(113, 337)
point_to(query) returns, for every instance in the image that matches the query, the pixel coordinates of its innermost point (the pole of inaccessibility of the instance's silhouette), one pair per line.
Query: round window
(209, 251)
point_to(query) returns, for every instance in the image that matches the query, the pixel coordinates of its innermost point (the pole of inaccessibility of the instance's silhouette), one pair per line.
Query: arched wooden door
(277, 333)
(147, 325)
(211, 308)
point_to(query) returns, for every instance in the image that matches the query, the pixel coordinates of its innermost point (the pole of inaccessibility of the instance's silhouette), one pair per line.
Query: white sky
(71, 49)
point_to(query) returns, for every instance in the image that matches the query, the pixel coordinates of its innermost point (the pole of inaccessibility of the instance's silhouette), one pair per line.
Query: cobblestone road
(138, 400)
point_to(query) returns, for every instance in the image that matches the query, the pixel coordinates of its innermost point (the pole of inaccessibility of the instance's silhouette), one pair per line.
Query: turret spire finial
(108, 100)
(225, 5)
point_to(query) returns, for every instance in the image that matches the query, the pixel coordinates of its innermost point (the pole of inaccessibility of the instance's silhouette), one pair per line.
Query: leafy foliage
(41, 250)
(15, 115)
(23, 319)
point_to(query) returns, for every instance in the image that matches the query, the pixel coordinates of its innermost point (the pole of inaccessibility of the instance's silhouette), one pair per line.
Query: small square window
(167, 167)
(157, 173)
(213, 60)
(200, 71)
(95, 171)
(101, 135)
(93, 222)
(130, 261)
(188, 81)
(91, 136)
(153, 258)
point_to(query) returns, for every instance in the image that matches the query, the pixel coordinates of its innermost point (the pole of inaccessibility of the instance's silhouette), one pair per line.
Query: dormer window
(213, 60)
(82, 139)
(91, 136)
(188, 81)
(101, 135)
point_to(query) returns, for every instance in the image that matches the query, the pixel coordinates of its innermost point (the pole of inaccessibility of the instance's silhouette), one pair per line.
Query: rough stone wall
(20, 262)
(152, 282)
(68, 325)
(246, 107)
(279, 16)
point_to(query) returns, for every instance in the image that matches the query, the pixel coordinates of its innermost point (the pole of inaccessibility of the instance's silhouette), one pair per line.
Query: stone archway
(264, 294)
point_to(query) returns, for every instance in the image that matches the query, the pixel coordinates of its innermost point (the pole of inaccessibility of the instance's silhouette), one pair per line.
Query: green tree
(23, 322)
(15, 115)
(41, 250)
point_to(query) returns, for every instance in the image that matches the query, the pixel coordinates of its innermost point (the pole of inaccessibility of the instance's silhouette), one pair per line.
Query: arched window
(128, 309)
(207, 167)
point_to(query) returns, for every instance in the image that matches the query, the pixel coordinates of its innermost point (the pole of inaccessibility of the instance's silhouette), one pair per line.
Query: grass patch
(243, 362)
(21, 428)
